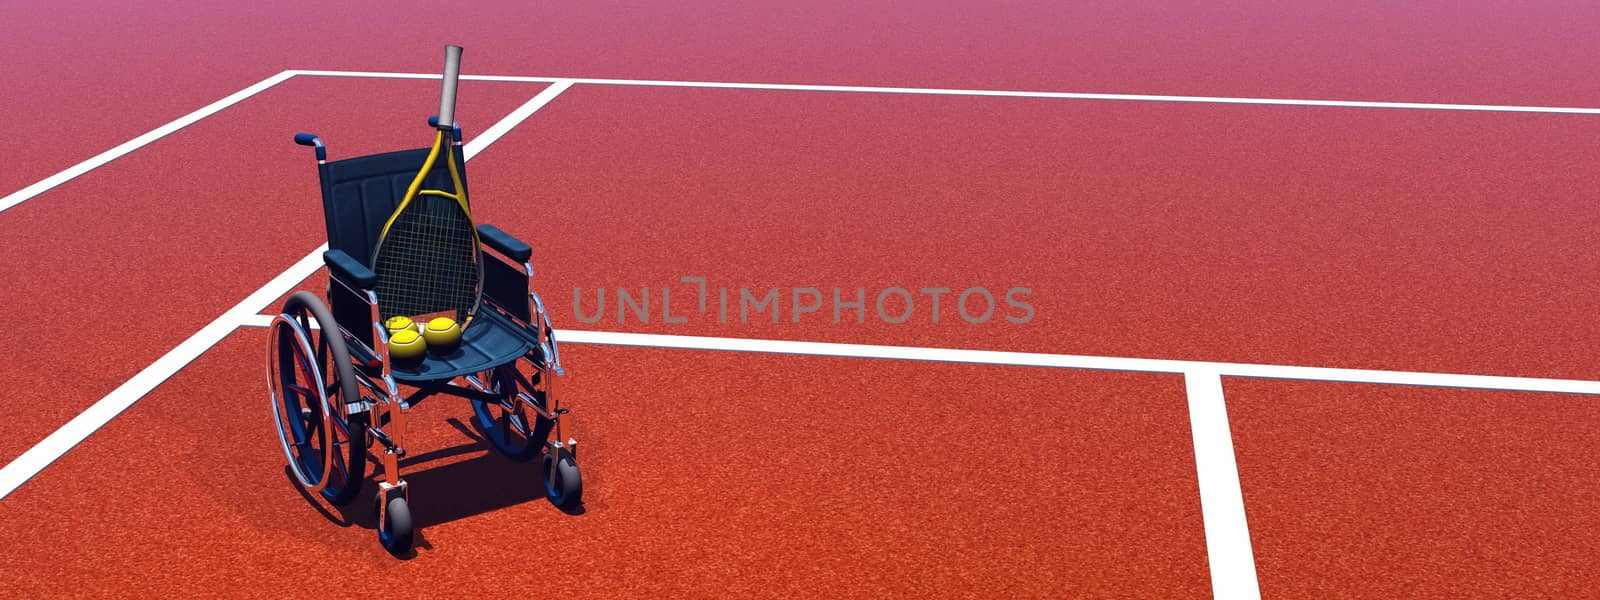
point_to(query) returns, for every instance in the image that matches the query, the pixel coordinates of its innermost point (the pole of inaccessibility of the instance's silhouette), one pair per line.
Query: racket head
(427, 257)
(428, 262)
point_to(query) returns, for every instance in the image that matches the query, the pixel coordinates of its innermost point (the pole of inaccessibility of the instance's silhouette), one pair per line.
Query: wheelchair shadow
(444, 493)
(501, 469)
(357, 513)
(471, 487)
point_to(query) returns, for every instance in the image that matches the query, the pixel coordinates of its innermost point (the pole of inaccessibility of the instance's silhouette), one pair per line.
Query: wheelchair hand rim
(303, 343)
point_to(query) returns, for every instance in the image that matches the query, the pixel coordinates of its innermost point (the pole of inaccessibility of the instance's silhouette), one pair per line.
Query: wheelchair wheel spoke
(504, 417)
(304, 370)
(519, 424)
(322, 352)
(340, 428)
(337, 435)
(338, 461)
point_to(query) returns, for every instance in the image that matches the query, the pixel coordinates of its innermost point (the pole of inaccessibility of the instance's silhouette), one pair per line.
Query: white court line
(80, 427)
(1233, 565)
(49, 449)
(24, 194)
(989, 93)
(1060, 361)
(494, 132)
(1069, 361)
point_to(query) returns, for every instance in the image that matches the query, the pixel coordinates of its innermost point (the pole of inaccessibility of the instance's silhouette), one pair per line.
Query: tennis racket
(427, 257)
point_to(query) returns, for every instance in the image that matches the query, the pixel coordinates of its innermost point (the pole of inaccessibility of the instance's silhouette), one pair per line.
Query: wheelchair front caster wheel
(394, 525)
(562, 484)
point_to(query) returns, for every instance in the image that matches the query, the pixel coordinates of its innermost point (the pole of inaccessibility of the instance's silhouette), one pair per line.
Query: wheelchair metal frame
(379, 401)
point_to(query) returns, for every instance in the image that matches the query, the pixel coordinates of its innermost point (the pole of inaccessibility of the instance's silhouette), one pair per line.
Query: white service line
(990, 93)
(1059, 361)
(1070, 361)
(1233, 565)
(98, 160)
(52, 447)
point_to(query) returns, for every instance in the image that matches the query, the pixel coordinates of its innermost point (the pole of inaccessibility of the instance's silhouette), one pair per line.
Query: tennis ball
(442, 334)
(397, 323)
(407, 344)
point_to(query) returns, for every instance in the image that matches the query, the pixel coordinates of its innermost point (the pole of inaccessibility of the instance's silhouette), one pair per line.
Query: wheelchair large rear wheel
(311, 380)
(513, 429)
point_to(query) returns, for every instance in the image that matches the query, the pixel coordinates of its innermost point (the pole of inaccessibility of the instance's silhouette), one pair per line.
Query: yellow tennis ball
(395, 324)
(407, 344)
(442, 334)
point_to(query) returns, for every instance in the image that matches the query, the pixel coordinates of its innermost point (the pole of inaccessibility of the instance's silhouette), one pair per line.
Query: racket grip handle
(447, 96)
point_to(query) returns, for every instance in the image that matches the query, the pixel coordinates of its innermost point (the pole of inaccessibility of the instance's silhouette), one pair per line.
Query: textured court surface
(1412, 240)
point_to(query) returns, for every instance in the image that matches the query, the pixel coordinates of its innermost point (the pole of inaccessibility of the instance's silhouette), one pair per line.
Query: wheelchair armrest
(505, 244)
(345, 267)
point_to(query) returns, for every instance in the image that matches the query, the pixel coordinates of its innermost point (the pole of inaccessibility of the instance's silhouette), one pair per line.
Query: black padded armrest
(346, 268)
(503, 243)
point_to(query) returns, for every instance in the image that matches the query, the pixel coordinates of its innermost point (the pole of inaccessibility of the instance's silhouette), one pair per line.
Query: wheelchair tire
(563, 486)
(509, 429)
(326, 449)
(395, 530)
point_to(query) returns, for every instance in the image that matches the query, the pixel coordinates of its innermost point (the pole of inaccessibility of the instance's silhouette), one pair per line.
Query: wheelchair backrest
(359, 194)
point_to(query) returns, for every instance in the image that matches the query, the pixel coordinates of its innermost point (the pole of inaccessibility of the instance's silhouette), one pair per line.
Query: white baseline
(988, 93)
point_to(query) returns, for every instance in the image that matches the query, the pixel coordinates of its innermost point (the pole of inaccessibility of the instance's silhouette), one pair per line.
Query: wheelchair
(335, 391)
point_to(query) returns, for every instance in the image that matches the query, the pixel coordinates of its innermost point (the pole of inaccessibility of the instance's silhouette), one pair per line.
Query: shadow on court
(447, 492)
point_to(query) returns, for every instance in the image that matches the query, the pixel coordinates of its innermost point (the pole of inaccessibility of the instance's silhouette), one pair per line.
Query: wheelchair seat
(358, 195)
(489, 341)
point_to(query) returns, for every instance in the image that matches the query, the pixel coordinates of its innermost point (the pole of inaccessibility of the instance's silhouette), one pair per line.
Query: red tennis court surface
(1386, 492)
(708, 473)
(1178, 235)
(1391, 239)
(98, 74)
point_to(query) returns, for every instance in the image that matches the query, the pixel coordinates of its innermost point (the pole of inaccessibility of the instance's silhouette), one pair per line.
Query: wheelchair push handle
(455, 129)
(311, 139)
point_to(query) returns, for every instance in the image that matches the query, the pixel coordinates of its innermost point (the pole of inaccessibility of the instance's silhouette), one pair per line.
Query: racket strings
(428, 262)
